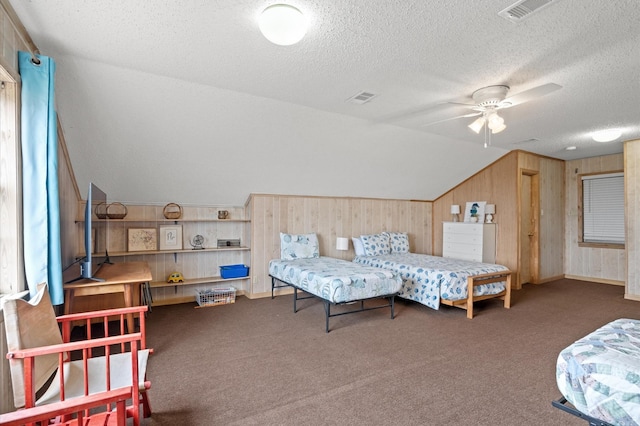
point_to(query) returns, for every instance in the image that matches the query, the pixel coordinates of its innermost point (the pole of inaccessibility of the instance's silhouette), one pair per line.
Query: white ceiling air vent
(361, 98)
(522, 9)
(532, 140)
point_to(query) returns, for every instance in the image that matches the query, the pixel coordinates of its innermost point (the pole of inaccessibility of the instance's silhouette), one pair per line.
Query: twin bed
(433, 280)
(335, 282)
(599, 375)
(383, 270)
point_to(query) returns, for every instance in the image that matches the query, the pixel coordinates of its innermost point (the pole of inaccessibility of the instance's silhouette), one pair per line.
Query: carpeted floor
(255, 362)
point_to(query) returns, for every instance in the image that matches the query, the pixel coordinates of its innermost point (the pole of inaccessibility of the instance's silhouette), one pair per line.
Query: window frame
(581, 242)
(12, 278)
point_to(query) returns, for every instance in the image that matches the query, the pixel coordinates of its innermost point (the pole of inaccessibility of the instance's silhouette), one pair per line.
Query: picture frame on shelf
(171, 237)
(474, 211)
(142, 239)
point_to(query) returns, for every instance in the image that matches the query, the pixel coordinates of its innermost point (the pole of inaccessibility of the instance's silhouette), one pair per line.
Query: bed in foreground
(599, 375)
(335, 282)
(434, 280)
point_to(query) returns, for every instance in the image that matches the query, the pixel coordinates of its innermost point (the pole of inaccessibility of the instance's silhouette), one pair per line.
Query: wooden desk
(118, 278)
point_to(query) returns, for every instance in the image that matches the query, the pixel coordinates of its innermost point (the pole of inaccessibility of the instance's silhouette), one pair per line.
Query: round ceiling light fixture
(283, 24)
(607, 135)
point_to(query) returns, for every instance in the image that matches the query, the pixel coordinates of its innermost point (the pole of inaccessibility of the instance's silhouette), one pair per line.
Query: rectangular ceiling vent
(361, 98)
(521, 10)
(532, 140)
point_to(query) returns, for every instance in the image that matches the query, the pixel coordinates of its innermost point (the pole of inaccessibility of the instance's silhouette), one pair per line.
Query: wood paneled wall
(551, 214)
(329, 218)
(590, 263)
(499, 184)
(632, 207)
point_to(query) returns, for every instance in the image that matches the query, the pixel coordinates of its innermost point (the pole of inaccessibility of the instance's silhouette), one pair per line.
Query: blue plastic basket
(234, 271)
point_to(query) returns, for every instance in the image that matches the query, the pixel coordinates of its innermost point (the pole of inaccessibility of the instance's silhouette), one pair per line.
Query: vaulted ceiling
(187, 101)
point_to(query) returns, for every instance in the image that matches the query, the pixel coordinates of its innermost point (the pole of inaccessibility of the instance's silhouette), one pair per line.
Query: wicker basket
(216, 296)
(101, 210)
(116, 211)
(172, 211)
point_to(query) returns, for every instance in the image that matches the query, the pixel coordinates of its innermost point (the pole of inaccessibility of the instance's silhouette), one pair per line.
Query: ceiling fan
(490, 99)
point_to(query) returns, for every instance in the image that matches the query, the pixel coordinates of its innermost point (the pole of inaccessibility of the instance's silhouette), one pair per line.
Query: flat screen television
(95, 235)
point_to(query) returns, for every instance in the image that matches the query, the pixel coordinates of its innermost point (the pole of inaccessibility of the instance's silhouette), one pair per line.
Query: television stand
(86, 273)
(123, 278)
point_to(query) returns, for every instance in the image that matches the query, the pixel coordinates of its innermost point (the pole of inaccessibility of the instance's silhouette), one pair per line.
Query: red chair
(77, 408)
(37, 350)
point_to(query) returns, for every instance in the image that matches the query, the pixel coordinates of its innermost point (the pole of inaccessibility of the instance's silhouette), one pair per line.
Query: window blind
(603, 208)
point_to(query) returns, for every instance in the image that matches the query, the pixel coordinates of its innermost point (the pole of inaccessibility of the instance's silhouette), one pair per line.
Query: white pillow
(358, 246)
(299, 246)
(399, 242)
(376, 244)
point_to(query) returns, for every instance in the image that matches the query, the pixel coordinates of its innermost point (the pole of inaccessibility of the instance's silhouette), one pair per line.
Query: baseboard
(596, 280)
(549, 279)
(633, 297)
(277, 292)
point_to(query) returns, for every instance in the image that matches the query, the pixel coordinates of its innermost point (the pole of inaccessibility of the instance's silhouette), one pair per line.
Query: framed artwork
(474, 211)
(142, 239)
(171, 237)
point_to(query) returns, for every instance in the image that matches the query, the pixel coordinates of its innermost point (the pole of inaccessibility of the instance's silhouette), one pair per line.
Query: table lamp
(490, 210)
(455, 211)
(342, 243)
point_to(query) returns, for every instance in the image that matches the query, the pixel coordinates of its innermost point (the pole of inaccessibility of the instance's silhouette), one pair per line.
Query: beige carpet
(255, 362)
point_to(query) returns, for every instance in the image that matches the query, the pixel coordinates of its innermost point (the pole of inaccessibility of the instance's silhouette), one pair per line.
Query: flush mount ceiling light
(607, 135)
(283, 24)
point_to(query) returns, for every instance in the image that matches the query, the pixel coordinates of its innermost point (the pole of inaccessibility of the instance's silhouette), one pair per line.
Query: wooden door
(529, 228)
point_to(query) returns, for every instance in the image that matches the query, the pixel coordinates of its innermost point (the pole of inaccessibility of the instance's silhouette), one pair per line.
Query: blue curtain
(41, 206)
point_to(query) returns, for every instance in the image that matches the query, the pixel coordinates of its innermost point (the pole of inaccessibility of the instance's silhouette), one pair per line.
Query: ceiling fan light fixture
(607, 135)
(476, 126)
(283, 24)
(498, 128)
(494, 120)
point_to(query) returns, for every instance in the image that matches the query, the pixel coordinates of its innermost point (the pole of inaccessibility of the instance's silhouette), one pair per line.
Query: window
(11, 264)
(603, 209)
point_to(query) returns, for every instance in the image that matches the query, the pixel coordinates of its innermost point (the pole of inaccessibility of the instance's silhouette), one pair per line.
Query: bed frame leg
(327, 314)
(273, 284)
(295, 299)
(391, 303)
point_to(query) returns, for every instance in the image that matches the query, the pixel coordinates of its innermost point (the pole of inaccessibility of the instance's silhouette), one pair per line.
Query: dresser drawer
(463, 228)
(464, 238)
(472, 256)
(460, 248)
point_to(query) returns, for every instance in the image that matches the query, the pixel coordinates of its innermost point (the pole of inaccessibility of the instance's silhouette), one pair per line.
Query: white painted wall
(196, 144)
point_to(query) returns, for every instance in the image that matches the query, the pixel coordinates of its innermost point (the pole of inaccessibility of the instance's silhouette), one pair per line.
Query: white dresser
(469, 241)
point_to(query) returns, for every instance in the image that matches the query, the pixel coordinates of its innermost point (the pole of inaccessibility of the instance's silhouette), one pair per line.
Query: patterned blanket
(336, 280)
(426, 278)
(600, 373)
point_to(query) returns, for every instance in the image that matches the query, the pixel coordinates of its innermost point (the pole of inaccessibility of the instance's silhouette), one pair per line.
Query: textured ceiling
(203, 65)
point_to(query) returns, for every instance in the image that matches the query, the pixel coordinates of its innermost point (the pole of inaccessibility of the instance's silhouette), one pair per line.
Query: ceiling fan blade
(469, 106)
(529, 95)
(473, 114)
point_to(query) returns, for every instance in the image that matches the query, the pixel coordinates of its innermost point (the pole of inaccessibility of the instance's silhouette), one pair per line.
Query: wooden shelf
(164, 220)
(194, 220)
(138, 253)
(192, 281)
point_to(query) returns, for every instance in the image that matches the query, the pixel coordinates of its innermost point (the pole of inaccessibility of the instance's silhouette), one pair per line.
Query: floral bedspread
(336, 280)
(600, 373)
(427, 278)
